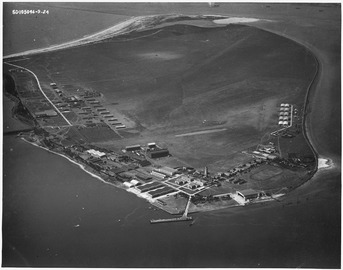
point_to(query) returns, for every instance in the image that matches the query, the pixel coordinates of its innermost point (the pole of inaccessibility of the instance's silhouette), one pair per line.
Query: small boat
(190, 224)
(77, 225)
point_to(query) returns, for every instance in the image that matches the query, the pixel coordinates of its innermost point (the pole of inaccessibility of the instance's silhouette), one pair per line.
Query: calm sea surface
(55, 214)
(45, 196)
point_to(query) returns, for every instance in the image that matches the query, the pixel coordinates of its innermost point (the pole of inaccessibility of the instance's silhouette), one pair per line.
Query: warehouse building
(143, 177)
(248, 194)
(158, 153)
(167, 171)
(149, 186)
(161, 192)
(133, 147)
(158, 174)
(152, 145)
(46, 113)
(144, 163)
(96, 153)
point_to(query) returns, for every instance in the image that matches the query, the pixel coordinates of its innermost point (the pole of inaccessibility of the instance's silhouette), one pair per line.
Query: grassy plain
(182, 78)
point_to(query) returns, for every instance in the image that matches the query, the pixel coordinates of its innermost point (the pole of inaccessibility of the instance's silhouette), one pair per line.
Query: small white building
(167, 171)
(127, 184)
(134, 182)
(96, 153)
(158, 174)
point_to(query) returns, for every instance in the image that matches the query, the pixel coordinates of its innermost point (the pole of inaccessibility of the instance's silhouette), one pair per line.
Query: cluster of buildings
(265, 152)
(285, 115)
(85, 105)
(46, 113)
(152, 150)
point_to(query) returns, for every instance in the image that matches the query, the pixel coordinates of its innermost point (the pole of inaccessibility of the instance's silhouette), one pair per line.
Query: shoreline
(306, 103)
(135, 23)
(140, 196)
(83, 167)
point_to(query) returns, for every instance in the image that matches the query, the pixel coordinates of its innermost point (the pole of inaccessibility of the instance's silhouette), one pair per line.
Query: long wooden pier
(165, 220)
(184, 217)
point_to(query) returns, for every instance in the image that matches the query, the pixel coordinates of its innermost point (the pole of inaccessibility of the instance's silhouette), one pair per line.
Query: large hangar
(158, 153)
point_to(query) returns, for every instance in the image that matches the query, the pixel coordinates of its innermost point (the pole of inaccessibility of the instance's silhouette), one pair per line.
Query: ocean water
(55, 214)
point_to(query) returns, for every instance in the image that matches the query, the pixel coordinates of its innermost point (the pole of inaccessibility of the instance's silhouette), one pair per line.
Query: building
(96, 153)
(206, 172)
(152, 145)
(161, 192)
(158, 153)
(248, 194)
(272, 157)
(158, 174)
(180, 181)
(133, 147)
(167, 171)
(149, 186)
(143, 177)
(135, 182)
(46, 113)
(127, 184)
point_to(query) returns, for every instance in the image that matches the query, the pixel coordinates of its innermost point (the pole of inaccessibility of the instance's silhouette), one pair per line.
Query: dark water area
(48, 196)
(27, 32)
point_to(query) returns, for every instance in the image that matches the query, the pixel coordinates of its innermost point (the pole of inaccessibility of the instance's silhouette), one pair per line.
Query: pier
(184, 217)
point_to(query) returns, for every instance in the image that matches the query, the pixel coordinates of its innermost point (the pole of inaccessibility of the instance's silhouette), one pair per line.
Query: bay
(55, 214)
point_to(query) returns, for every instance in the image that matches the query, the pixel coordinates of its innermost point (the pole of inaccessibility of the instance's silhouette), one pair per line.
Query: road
(40, 88)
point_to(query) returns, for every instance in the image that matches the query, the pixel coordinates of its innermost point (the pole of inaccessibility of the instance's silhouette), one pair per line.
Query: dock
(184, 217)
(165, 220)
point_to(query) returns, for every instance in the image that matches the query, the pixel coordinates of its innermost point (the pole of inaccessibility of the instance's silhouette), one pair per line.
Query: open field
(174, 80)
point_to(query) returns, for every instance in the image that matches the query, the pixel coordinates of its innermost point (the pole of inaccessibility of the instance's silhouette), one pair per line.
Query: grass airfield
(182, 79)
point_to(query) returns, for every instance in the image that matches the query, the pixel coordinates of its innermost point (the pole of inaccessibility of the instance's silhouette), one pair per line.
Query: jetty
(184, 217)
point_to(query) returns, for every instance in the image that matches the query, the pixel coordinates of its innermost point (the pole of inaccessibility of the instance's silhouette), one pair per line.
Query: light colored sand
(325, 163)
(236, 20)
(134, 24)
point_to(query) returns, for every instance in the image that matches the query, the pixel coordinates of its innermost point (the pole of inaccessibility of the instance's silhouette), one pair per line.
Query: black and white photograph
(171, 135)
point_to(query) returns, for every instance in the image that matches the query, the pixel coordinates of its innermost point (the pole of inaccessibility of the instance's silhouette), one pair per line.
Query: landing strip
(200, 132)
